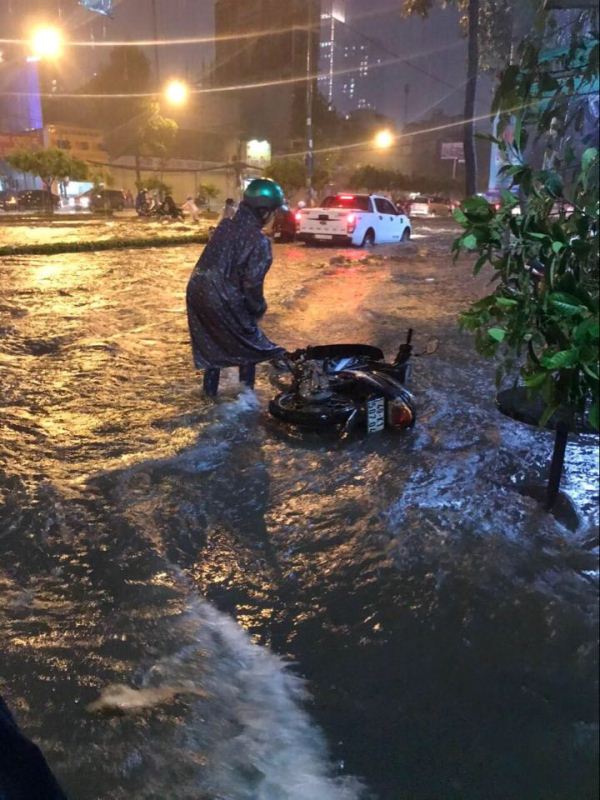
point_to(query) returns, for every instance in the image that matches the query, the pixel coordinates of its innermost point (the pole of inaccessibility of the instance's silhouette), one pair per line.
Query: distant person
(225, 298)
(169, 208)
(141, 201)
(229, 209)
(190, 207)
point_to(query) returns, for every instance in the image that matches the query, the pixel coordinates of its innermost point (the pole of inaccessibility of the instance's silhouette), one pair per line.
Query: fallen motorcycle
(342, 386)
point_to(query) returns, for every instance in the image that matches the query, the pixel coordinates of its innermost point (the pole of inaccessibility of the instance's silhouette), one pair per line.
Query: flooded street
(295, 617)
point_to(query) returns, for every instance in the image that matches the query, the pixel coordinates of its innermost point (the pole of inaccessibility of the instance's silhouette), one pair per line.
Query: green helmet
(264, 193)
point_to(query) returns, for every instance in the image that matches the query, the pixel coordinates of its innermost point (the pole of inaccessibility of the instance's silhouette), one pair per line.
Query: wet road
(444, 626)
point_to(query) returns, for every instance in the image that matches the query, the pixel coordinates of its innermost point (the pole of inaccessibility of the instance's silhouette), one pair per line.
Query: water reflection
(444, 622)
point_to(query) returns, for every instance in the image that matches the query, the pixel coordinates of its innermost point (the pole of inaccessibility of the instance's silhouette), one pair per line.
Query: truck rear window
(354, 202)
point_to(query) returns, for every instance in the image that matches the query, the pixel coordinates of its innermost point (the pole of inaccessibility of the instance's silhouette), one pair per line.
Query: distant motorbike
(343, 386)
(159, 212)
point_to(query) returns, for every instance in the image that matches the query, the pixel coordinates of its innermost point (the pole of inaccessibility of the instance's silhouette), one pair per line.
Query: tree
(49, 164)
(207, 192)
(147, 134)
(291, 174)
(543, 313)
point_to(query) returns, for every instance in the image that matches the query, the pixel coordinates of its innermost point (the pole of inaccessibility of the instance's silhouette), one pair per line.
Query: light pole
(310, 156)
(155, 32)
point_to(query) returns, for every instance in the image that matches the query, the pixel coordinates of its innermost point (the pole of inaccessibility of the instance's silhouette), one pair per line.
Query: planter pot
(516, 404)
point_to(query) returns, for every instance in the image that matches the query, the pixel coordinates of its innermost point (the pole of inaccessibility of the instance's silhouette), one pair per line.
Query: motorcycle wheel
(292, 409)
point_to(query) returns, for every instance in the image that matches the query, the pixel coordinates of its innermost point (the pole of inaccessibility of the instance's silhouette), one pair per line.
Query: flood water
(256, 614)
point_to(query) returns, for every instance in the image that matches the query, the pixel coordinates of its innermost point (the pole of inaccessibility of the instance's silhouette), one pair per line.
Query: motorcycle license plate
(375, 414)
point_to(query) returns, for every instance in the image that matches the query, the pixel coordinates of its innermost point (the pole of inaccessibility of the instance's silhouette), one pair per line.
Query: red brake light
(351, 223)
(399, 414)
(346, 197)
(298, 216)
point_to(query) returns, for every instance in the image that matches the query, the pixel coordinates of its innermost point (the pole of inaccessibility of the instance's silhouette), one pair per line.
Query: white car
(353, 219)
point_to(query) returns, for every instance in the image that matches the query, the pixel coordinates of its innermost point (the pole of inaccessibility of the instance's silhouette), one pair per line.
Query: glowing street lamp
(46, 42)
(177, 93)
(384, 140)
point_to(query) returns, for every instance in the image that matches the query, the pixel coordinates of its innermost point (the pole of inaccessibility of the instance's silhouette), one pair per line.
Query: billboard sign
(453, 151)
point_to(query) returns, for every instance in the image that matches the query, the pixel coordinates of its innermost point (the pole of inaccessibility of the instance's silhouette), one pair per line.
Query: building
(248, 52)
(348, 78)
(86, 144)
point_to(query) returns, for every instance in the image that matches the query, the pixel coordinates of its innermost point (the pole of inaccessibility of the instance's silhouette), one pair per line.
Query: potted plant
(541, 243)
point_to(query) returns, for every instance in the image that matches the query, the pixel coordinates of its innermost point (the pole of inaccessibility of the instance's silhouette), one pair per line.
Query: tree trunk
(470, 94)
(138, 174)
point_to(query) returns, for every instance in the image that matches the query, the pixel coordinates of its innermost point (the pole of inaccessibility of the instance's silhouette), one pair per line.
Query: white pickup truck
(353, 219)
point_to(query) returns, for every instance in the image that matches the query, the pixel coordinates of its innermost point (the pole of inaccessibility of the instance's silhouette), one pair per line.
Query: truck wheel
(369, 238)
(405, 235)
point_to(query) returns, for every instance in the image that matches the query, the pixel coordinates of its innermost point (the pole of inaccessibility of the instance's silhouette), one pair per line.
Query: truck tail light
(298, 216)
(351, 223)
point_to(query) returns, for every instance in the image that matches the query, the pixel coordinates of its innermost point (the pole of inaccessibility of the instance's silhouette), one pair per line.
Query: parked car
(284, 225)
(430, 206)
(356, 219)
(102, 200)
(38, 200)
(8, 200)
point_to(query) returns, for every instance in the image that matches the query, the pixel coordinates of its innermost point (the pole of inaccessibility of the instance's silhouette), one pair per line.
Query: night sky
(434, 46)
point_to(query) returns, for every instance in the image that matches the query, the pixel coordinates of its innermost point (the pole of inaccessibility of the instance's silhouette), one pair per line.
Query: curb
(57, 248)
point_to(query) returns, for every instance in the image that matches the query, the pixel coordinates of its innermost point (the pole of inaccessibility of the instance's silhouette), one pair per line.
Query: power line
(378, 43)
(445, 126)
(214, 89)
(188, 40)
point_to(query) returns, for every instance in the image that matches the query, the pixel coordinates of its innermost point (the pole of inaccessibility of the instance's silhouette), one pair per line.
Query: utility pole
(310, 156)
(155, 30)
(406, 94)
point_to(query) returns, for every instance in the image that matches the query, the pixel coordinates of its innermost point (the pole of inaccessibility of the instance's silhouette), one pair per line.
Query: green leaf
(564, 359)
(497, 334)
(506, 302)
(558, 246)
(535, 380)
(588, 157)
(478, 209)
(470, 242)
(509, 198)
(460, 216)
(594, 416)
(480, 263)
(567, 304)
(554, 185)
(588, 329)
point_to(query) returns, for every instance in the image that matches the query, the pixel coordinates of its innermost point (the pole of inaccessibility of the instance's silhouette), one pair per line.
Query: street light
(176, 93)
(46, 42)
(384, 140)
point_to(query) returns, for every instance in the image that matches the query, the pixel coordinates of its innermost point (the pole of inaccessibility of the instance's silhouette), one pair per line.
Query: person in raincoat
(224, 295)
